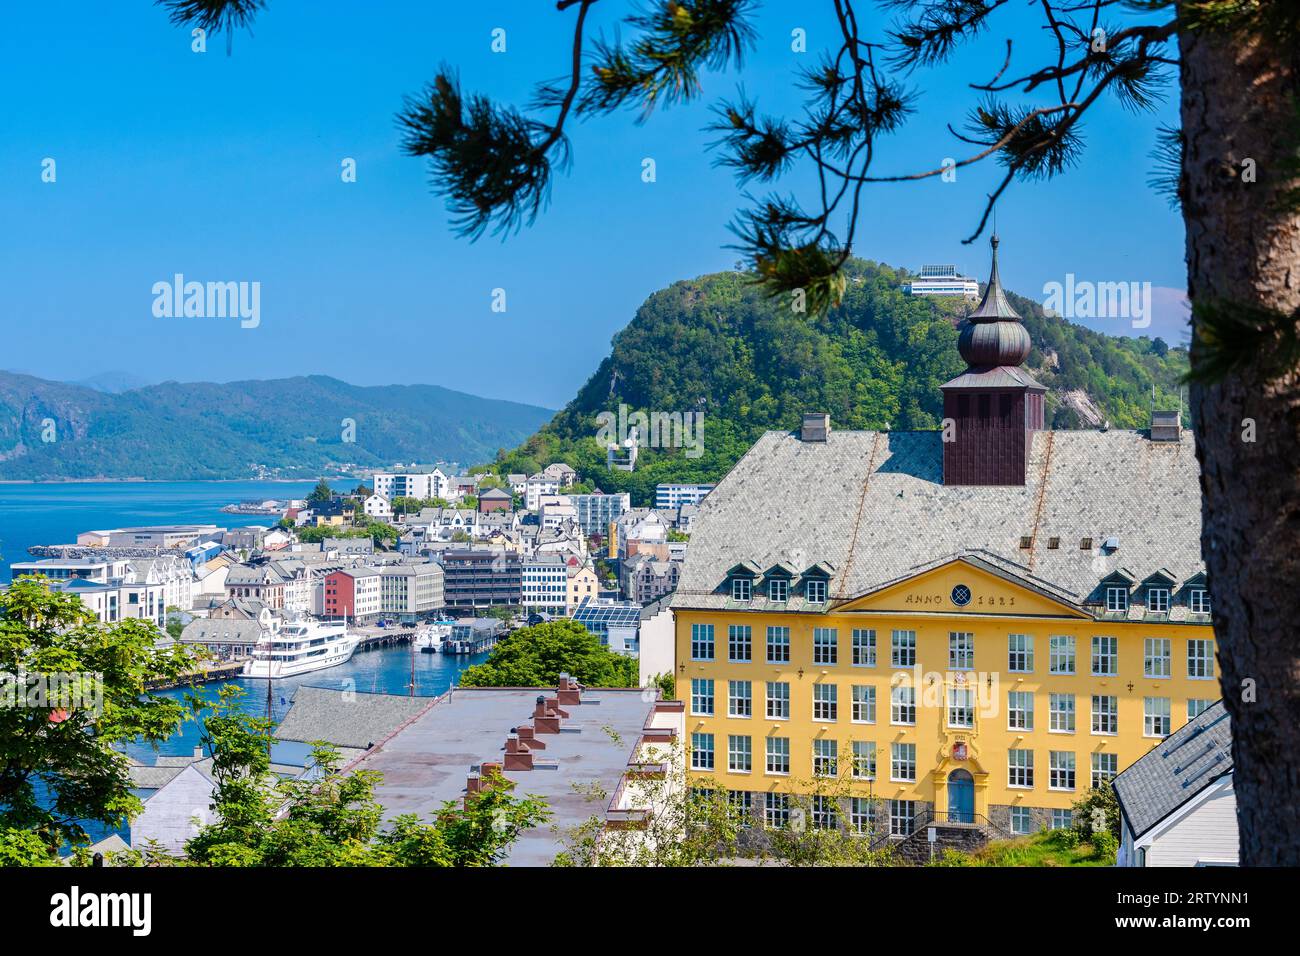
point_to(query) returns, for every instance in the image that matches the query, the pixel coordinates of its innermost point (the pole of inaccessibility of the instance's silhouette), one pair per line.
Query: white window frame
(1198, 600)
(864, 647)
(778, 638)
(1153, 715)
(1205, 659)
(701, 636)
(1061, 715)
(902, 648)
(1020, 769)
(740, 705)
(826, 703)
(961, 707)
(1117, 596)
(815, 590)
(863, 704)
(742, 588)
(902, 705)
(699, 750)
(825, 757)
(779, 748)
(1020, 710)
(740, 754)
(1105, 716)
(1157, 658)
(1061, 770)
(778, 590)
(782, 700)
(701, 692)
(864, 760)
(1020, 653)
(902, 760)
(740, 637)
(1061, 652)
(1105, 649)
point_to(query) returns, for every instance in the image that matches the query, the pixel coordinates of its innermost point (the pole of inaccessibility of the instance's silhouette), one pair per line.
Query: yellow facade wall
(997, 609)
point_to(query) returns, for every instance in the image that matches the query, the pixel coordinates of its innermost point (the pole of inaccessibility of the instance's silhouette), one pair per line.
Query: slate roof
(1176, 770)
(346, 719)
(221, 631)
(798, 502)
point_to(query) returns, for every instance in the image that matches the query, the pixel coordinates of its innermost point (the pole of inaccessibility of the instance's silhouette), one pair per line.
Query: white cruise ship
(299, 647)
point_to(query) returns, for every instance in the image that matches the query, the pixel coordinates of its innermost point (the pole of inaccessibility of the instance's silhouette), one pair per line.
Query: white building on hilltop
(942, 280)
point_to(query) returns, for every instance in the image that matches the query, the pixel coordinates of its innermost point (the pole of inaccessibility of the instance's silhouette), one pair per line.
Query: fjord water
(54, 512)
(32, 514)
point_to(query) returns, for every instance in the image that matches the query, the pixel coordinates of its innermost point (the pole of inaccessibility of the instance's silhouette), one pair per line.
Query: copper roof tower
(993, 407)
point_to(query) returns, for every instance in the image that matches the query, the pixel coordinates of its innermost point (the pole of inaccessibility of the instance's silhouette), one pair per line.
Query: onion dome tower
(992, 409)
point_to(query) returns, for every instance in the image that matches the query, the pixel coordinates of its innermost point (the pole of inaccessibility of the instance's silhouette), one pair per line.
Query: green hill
(291, 427)
(717, 345)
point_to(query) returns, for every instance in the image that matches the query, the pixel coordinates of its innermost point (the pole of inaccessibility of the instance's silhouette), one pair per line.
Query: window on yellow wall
(1105, 656)
(1200, 659)
(778, 700)
(864, 760)
(903, 649)
(902, 705)
(1020, 768)
(825, 645)
(1060, 774)
(1060, 654)
(1060, 713)
(826, 757)
(961, 707)
(1105, 714)
(1156, 655)
(1020, 710)
(778, 645)
(825, 702)
(1020, 653)
(961, 650)
(778, 755)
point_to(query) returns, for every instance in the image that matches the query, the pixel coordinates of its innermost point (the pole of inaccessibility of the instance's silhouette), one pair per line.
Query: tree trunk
(1239, 104)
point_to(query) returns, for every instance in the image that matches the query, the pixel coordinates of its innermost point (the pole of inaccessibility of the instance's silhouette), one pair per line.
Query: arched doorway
(961, 797)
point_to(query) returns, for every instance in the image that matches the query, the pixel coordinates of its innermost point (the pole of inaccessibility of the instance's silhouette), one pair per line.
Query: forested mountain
(717, 345)
(293, 427)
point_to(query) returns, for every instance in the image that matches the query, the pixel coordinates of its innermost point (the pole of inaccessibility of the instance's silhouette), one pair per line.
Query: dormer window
(1157, 599)
(1198, 600)
(778, 589)
(815, 591)
(1116, 598)
(742, 589)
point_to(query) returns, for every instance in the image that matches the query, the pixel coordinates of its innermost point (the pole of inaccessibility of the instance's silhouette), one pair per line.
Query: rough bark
(1238, 104)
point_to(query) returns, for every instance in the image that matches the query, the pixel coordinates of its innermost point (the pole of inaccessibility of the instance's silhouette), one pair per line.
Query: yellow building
(966, 627)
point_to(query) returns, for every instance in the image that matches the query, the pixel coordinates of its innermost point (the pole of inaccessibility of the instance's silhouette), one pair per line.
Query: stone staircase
(918, 849)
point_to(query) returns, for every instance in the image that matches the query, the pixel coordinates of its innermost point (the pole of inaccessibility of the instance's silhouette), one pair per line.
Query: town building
(377, 506)
(226, 639)
(545, 584)
(942, 281)
(595, 512)
(261, 582)
(645, 578)
(167, 536)
(481, 578)
(353, 594)
(1177, 805)
(971, 632)
(411, 592)
(616, 623)
(495, 499)
(424, 484)
(670, 497)
(562, 473)
(583, 583)
(536, 486)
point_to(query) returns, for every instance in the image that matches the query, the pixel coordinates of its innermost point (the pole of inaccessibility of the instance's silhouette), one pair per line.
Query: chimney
(528, 737)
(517, 756)
(816, 426)
(546, 716)
(1166, 426)
(569, 692)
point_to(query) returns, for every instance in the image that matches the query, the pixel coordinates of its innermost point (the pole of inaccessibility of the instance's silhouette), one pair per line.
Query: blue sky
(228, 168)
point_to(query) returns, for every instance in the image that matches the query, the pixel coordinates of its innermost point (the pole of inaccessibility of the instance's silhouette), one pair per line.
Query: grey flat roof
(427, 763)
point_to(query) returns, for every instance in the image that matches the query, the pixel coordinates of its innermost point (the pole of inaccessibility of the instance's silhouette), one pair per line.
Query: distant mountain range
(283, 428)
(716, 346)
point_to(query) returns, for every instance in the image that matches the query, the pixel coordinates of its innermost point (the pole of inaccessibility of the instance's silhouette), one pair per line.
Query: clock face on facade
(961, 595)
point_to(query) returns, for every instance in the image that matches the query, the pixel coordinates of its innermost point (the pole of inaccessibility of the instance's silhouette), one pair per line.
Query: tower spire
(994, 335)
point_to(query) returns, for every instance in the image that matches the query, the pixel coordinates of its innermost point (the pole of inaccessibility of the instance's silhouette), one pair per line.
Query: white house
(377, 506)
(536, 486)
(1177, 804)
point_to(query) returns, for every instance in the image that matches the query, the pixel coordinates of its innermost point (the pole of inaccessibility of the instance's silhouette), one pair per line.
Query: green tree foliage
(320, 493)
(536, 656)
(58, 759)
(719, 346)
(333, 819)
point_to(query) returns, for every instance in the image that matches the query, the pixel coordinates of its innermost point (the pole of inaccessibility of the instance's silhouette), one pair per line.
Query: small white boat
(299, 647)
(430, 638)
